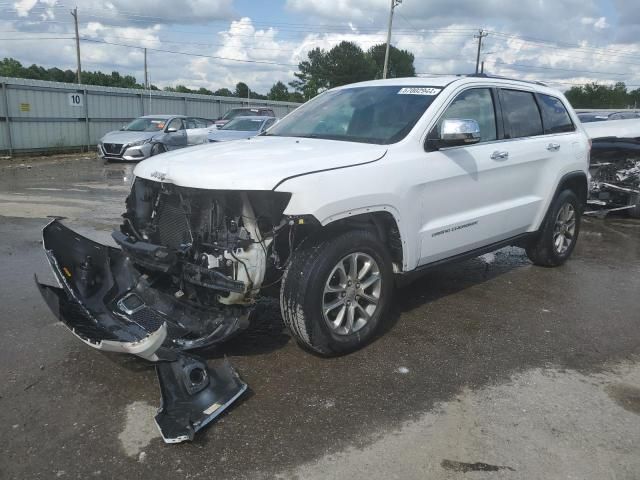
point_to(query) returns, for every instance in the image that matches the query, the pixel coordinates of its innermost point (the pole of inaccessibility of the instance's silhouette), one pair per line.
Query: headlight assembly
(140, 142)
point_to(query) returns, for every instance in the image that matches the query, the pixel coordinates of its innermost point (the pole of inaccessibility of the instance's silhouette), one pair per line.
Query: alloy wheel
(352, 293)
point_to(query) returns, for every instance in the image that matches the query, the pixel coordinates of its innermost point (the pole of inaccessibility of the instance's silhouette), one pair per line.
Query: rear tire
(330, 306)
(559, 233)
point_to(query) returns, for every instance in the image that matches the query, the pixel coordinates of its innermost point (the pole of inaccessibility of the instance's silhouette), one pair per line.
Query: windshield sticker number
(419, 91)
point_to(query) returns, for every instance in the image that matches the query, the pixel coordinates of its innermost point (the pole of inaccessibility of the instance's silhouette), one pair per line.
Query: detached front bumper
(109, 305)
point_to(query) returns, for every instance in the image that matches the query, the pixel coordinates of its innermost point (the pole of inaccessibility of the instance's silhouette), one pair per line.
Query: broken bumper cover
(105, 302)
(193, 395)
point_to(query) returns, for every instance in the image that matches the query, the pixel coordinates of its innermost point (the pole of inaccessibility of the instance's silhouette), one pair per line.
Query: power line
(564, 46)
(36, 38)
(520, 65)
(191, 54)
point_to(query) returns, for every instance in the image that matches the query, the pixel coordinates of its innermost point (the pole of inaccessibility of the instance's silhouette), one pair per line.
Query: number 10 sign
(76, 99)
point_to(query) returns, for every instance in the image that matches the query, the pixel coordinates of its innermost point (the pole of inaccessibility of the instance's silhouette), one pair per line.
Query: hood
(613, 128)
(259, 163)
(226, 135)
(123, 136)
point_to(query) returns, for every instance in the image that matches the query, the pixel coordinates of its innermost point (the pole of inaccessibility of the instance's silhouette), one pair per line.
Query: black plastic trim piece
(569, 176)
(193, 394)
(408, 277)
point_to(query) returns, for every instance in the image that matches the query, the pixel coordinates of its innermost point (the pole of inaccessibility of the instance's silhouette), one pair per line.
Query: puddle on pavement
(87, 191)
(627, 396)
(472, 467)
(139, 429)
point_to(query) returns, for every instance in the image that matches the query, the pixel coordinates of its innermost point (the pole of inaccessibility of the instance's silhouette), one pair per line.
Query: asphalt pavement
(491, 368)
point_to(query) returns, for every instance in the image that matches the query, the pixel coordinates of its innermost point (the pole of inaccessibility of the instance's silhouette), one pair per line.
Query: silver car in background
(241, 127)
(153, 134)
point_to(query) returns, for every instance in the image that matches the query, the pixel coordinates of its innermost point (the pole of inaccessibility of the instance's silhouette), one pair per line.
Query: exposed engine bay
(191, 265)
(214, 245)
(615, 172)
(615, 184)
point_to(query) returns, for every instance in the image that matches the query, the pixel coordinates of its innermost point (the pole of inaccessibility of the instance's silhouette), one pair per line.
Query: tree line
(594, 95)
(345, 63)
(323, 69)
(10, 67)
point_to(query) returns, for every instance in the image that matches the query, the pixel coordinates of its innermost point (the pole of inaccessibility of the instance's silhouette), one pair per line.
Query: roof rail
(485, 75)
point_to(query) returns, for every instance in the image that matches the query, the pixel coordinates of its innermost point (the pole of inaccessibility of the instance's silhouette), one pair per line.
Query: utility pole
(146, 74)
(480, 36)
(74, 14)
(482, 67)
(394, 4)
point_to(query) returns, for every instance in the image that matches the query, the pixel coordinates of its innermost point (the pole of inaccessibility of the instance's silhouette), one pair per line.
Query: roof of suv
(445, 80)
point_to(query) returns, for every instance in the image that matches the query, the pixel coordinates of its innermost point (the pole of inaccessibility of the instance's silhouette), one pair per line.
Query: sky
(562, 42)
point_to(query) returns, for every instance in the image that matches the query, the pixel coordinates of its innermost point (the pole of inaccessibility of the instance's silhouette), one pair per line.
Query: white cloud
(597, 23)
(439, 34)
(23, 7)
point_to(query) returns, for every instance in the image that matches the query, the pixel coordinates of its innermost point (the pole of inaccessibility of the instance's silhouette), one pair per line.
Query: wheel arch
(576, 182)
(382, 220)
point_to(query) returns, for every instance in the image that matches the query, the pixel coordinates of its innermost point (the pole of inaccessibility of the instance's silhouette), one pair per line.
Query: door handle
(499, 155)
(553, 147)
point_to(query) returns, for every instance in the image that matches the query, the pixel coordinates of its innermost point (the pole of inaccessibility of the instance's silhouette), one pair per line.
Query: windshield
(146, 125)
(380, 115)
(588, 118)
(243, 124)
(231, 114)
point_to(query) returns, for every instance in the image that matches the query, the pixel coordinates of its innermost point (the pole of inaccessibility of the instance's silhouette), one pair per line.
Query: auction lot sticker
(419, 91)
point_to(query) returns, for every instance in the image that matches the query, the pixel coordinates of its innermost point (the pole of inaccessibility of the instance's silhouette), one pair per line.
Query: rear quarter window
(556, 117)
(521, 114)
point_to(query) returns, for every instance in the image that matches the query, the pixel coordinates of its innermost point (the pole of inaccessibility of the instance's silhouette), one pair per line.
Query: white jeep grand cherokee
(359, 187)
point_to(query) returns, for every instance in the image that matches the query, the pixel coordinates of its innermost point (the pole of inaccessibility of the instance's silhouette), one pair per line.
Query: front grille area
(148, 319)
(173, 227)
(112, 148)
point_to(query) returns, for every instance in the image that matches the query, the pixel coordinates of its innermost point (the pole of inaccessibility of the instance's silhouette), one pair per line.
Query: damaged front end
(614, 176)
(187, 275)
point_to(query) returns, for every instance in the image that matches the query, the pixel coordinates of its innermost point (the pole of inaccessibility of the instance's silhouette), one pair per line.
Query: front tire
(559, 233)
(157, 149)
(336, 291)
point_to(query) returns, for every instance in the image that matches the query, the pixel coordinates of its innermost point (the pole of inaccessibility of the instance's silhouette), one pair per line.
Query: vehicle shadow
(267, 332)
(447, 280)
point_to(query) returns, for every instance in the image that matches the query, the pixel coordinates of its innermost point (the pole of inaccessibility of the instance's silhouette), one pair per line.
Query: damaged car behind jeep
(361, 187)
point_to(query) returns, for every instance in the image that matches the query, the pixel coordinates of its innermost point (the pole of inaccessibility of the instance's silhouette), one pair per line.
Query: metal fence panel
(51, 115)
(35, 135)
(167, 105)
(4, 137)
(103, 105)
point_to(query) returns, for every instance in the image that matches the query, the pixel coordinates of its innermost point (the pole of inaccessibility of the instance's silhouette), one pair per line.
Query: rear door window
(556, 117)
(521, 114)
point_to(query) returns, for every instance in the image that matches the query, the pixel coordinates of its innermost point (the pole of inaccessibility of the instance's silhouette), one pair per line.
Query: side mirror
(172, 130)
(457, 132)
